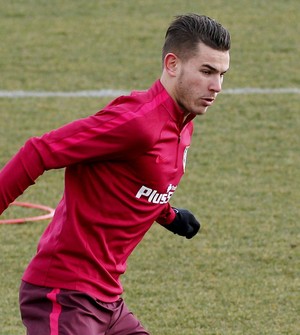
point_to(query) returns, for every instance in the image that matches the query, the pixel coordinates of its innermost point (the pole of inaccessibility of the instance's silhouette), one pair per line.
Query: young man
(122, 166)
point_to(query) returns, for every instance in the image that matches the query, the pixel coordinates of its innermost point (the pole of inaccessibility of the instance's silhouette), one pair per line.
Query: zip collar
(171, 106)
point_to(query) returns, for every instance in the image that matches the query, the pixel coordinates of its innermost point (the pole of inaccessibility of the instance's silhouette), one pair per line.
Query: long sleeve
(167, 216)
(15, 177)
(92, 139)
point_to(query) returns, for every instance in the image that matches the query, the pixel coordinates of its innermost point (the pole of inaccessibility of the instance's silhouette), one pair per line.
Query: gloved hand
(184, 224)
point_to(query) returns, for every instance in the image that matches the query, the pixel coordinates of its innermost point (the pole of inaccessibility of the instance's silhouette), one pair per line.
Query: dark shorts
(53, 311)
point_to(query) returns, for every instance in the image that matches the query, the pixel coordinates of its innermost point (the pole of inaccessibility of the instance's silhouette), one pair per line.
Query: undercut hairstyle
(187, 31)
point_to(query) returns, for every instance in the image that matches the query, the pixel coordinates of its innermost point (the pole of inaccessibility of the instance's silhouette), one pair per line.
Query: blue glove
(184, 224)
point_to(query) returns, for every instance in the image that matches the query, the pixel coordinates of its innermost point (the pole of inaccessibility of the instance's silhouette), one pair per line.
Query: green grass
(241, 274)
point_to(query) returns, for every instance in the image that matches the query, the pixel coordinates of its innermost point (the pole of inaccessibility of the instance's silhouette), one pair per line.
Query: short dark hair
(186, 31)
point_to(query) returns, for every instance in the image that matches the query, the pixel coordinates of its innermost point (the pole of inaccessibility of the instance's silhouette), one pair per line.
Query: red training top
(122, 166)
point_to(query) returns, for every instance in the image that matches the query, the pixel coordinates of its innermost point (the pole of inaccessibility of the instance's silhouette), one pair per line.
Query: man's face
(199, 79)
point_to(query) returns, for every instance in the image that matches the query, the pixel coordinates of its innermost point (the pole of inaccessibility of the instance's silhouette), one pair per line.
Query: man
(122, 166)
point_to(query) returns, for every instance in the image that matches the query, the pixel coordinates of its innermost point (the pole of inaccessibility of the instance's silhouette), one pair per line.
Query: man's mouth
(208, 101)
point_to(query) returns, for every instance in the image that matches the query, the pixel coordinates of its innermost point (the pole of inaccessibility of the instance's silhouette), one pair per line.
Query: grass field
(240, 276)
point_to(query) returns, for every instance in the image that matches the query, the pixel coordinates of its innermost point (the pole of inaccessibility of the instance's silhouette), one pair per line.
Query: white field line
(116, 93)
(75, 94)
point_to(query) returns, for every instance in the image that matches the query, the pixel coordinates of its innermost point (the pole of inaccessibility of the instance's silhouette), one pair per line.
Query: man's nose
(216, 84)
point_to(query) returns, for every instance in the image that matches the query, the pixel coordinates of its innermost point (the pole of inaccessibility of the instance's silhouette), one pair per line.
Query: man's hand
(184, 224)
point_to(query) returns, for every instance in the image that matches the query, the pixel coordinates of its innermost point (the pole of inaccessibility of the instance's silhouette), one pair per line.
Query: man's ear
(171, 64)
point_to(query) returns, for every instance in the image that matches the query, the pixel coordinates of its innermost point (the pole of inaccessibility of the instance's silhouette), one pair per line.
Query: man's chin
(197, 110)
(201, 111)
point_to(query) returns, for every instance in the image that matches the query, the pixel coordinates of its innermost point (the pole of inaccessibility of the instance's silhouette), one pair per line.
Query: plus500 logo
(155, 197)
